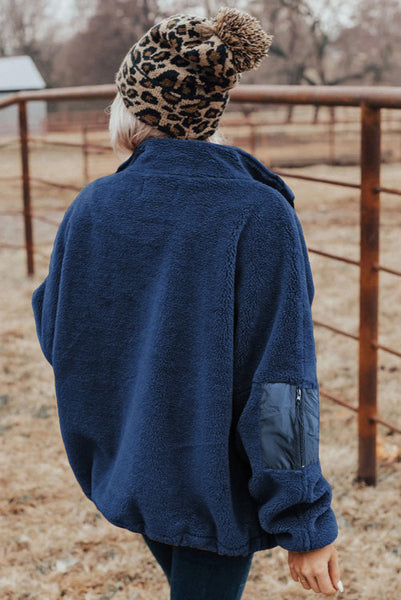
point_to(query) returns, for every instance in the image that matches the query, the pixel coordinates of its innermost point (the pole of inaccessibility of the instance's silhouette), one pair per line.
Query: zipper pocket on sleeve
(299, 413)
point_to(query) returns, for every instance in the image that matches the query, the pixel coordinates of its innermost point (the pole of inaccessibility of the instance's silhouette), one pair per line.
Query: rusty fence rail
(371, 101)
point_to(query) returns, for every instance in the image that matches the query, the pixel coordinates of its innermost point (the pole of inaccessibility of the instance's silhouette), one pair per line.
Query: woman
(177, 318)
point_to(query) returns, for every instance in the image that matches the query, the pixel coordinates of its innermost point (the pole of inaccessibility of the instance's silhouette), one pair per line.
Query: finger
(334, 570)
(303, 580)
(324, 582)
(305, 583)
(294, 574)
(313, 583)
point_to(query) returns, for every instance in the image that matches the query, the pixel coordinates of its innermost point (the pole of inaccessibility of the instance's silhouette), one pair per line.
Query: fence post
(252, 136)
(26, 191)
(332, 135)
(369, 292)
(85, 153)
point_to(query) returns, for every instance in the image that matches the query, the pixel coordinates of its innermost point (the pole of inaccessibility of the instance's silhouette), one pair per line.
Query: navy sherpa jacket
(176, 315)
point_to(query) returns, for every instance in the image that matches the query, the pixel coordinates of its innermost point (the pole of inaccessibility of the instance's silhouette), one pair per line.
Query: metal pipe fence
(371, 101)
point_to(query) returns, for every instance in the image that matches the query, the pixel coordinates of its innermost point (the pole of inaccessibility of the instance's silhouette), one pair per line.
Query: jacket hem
(201, 542)
(211, 544)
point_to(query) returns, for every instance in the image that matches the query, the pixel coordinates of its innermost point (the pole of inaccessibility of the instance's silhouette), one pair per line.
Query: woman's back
(144, 351)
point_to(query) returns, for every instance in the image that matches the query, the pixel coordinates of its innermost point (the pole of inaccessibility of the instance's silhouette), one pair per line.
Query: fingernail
(340, 586)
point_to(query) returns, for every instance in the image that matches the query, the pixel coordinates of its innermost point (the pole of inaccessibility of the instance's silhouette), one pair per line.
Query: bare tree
(292, 50)
(308, 48)
(27, 27)
(23, 24)
(371, 44)
(82, 11)
(94, 55)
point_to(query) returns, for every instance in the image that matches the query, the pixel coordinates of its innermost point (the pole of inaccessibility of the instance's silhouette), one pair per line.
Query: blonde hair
(127, 131)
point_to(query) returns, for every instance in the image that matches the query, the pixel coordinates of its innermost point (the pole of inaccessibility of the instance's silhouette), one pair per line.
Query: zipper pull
(299, 392)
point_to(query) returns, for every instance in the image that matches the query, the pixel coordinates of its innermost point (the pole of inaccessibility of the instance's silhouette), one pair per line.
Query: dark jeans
(199, 574)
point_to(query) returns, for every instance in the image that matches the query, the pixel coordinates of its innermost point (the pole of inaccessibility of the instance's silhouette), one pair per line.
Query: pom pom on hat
(243, 35)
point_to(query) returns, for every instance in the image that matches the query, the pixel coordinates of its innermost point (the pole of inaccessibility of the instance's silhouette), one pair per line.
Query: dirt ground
(54, 542)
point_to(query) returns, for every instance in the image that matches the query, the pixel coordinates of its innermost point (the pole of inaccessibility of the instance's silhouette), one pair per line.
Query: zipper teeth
(298, 400)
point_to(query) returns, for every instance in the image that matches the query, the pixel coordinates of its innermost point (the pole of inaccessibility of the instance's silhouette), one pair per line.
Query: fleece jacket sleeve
(45, 297)
(277, 431)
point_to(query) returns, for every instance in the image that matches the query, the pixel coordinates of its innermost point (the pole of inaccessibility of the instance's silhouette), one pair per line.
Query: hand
(318, 568)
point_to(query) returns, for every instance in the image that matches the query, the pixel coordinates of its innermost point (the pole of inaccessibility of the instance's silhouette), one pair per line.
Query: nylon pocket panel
(289, 426)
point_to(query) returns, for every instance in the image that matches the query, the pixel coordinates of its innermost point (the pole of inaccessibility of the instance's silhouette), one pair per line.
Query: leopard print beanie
(177, 77)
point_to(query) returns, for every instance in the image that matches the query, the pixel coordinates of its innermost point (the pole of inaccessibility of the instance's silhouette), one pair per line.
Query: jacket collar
(191, 157)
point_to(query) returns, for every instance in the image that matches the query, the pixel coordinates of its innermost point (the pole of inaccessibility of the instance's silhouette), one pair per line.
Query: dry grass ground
(55, 544)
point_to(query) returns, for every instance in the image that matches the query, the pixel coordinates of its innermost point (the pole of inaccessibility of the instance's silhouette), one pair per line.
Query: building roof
(19, 73)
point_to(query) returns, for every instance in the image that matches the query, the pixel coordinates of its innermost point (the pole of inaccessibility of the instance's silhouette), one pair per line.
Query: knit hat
(177, 77)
